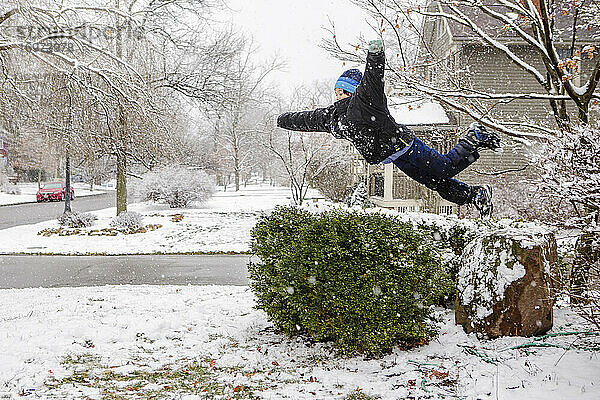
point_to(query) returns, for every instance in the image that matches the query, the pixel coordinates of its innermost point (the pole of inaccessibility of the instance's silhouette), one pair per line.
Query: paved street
(33, 213)
(58, 271)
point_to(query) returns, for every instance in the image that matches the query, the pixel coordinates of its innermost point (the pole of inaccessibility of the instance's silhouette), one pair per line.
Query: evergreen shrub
(365, 281)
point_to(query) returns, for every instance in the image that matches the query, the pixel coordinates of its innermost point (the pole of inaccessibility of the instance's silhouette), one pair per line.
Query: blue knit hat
(349, 80)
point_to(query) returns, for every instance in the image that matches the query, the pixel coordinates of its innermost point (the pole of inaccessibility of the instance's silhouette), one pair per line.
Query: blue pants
(434, 170)
(417, 160)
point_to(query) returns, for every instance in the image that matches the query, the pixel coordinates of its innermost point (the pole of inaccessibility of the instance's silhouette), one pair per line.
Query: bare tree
(304, 156)
(544, 25)
(238, 118)
(126, 55)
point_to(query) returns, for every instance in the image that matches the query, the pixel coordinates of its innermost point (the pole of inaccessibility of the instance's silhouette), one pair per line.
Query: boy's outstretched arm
(318, 120)
(371, 87)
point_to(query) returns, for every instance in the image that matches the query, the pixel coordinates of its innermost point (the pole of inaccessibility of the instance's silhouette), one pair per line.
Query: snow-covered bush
(570, 171)
(359, 196)
(176, 186)
(77, 219)
(6, 186)
(365, 281)
(11, 188)
(569, 166)
(127, 220)
(333, 181)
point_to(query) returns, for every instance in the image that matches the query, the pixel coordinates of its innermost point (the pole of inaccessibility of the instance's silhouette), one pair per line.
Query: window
(377, 185)
(53, 185)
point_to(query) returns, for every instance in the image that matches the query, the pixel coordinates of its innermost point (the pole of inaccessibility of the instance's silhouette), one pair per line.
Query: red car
(53, 191)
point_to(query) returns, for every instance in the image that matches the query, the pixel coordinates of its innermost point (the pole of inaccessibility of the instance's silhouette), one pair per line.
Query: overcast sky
(293, 28)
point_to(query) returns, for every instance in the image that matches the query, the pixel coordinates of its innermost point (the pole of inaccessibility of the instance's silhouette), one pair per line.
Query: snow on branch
(461, 18)
(7, 15)
(520, 136)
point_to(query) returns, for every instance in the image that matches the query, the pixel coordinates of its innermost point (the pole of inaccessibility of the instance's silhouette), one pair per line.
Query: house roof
(409, 111)
(588, 30)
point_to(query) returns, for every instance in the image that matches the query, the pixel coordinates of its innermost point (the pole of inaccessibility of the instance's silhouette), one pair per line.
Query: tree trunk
(121, 182)
(122, 129)
(584, 112)
(67, 184)
(560, 115)
(585, 257)
(236, 172)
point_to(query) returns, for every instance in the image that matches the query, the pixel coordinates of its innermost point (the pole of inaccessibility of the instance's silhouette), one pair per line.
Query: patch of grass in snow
(184, 376)
(80, 359)
(359, 396)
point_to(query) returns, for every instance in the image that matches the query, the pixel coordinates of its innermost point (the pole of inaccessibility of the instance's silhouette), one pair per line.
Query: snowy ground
(192, 342)
(223, 224)
(28, 191)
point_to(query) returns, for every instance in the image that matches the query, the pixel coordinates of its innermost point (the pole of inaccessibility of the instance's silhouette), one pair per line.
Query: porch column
(388, 179)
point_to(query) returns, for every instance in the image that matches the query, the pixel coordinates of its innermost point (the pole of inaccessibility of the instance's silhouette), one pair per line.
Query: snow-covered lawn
(28, 191)
(223, 224)
(196, 342)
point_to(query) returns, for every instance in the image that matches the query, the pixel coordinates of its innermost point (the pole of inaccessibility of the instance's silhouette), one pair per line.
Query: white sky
(293, 28)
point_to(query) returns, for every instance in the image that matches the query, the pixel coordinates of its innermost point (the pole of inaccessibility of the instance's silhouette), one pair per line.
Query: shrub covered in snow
(6, 186)
(128, 220)
(176, 186)
(365, 281)
(359, 196)
(77, 219)
(333, 181)
(11, 189)
(569, 172)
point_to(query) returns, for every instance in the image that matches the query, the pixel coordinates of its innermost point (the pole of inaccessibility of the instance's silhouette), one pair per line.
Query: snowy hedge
(128, 220)
(365, 281)
(77, 219)
(176, 186)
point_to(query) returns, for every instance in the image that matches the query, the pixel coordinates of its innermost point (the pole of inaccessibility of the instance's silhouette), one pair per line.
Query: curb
(189, 253)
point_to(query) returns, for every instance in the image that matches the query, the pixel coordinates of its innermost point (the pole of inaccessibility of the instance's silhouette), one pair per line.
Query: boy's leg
(424, 158)
(449, 189)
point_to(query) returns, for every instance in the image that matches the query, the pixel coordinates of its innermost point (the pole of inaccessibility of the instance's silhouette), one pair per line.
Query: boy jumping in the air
(361, 116)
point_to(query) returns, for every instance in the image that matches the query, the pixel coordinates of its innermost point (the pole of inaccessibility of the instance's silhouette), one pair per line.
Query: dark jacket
(363, 119)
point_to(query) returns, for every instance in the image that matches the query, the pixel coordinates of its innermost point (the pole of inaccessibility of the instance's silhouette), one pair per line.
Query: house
(391, 188)
(481, 68)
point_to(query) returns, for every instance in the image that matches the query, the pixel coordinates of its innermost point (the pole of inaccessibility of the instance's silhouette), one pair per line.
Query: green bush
(365, 281)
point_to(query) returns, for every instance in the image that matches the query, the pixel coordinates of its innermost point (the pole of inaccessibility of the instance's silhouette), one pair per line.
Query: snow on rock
(504, 281)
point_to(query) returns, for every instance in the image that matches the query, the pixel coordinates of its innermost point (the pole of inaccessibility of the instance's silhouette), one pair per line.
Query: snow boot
(480, 138)
(481, 198)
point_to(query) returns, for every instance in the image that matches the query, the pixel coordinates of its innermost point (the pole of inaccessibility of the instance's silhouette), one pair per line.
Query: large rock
(504, 282)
